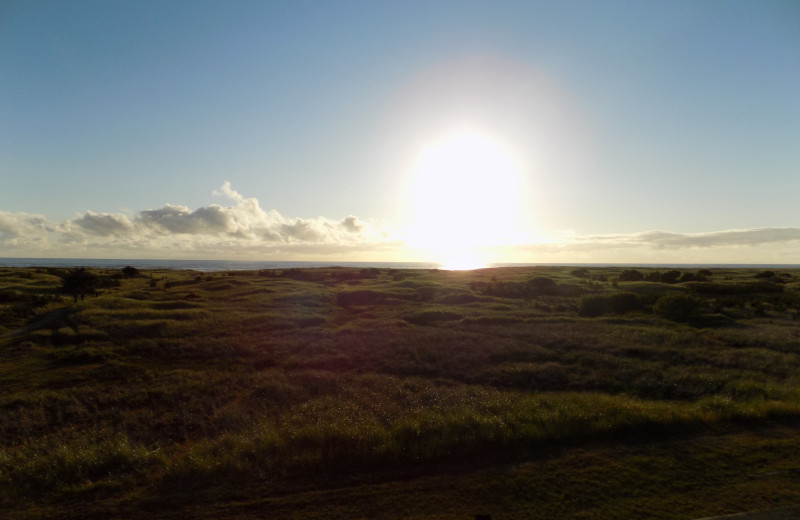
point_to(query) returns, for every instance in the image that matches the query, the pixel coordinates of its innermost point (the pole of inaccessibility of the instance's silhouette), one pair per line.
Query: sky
(460, 132)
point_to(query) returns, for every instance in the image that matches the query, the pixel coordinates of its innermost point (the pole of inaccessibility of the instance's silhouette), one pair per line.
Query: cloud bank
(240, 229)
(243, 230)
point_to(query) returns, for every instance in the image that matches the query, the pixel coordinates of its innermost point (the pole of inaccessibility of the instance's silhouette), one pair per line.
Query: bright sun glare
(464, 193)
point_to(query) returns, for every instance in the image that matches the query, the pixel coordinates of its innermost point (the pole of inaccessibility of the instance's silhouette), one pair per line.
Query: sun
(464, 196)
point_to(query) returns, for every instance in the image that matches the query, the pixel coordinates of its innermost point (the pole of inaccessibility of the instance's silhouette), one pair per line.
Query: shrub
(654, 276)
(630, 275)
(671, 276)
(365, 297)
(600, 304)
(432, 317)
(678, 306)
(592, 305)
(129, 271)
(734, 288)
(543, 285)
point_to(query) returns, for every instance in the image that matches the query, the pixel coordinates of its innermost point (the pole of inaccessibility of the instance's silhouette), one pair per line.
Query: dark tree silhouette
(79, 282)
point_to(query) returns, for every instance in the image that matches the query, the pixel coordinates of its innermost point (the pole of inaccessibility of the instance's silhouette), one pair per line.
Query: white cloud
(213, 220)
(227, 191)
(245, 230)
(352, 224)
(13, 225)
(104, 224)
(175, 230)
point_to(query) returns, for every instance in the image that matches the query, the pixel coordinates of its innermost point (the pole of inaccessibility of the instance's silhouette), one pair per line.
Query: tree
(79, 282)
(129, 271)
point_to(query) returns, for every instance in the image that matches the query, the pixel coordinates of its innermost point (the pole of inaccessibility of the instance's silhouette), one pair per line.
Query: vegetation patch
(544, 392)
(432, 317)
(617, 303)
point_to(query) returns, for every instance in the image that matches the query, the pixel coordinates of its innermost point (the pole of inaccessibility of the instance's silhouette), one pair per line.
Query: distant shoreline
(249, 265)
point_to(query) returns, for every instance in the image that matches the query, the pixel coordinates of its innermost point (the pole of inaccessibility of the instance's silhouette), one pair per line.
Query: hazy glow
(461, 260)
(463, 195)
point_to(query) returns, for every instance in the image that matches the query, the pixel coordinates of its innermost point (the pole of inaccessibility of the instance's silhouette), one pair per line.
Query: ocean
(242, 265)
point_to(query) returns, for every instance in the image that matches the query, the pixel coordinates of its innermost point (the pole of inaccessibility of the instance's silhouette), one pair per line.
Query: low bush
(432, 317)
(631, 275)
(734, 288)
(364, 297)
(543, 285)
(599, 304)
(679, 306)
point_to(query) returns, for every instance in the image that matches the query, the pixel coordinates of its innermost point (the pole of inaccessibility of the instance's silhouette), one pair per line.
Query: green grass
(323, 391)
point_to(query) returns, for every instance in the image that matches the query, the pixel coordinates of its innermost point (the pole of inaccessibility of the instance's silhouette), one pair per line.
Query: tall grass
(217, 382)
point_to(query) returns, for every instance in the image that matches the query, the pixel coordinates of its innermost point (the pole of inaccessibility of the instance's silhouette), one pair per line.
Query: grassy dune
(518, 392)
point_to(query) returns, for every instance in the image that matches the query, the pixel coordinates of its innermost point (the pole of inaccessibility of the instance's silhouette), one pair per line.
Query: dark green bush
(432, 317)
(365, 297)
(678, 306)
(542, 285)
(670, 276)
(630, 275)
(734, 288)
(600, 304)
(654, 276)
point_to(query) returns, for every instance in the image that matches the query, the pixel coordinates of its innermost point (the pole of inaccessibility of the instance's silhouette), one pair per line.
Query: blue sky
(639, 131)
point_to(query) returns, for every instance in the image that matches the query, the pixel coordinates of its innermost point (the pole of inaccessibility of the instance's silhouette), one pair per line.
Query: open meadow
(524, 392)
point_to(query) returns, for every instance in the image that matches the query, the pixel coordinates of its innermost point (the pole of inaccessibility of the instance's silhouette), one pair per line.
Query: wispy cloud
(666, 240)
(738, 237)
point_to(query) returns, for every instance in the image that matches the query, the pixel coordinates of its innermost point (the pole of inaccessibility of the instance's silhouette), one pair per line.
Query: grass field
(529, 392)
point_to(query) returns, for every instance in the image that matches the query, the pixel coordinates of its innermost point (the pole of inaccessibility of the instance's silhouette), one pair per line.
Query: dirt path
(45, 320)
